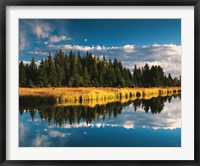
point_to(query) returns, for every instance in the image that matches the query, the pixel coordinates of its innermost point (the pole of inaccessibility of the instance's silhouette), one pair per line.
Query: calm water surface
(140, 123)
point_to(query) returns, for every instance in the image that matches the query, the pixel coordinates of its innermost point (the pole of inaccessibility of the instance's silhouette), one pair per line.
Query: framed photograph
(99, 83)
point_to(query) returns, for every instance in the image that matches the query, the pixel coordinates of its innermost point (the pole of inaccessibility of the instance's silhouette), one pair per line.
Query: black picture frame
(5, 3)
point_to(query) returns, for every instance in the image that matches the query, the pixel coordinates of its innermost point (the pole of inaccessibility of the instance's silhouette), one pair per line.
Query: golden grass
(92, 96)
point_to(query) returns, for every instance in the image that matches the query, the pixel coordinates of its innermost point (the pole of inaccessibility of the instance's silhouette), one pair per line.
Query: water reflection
(135, 124)
(75, 114)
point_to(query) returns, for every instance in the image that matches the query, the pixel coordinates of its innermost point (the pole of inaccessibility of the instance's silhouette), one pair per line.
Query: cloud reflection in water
(35, 131)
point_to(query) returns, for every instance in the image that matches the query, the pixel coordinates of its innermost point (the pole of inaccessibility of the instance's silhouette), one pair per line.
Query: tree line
(90, 71)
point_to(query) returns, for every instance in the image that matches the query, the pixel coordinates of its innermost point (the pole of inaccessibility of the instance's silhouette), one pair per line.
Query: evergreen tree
(42, 74)
(33, 72)
(51, 72)
(87, 71)
(22, 75)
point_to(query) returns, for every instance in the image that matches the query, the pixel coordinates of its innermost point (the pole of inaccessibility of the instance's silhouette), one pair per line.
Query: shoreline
(95, 95)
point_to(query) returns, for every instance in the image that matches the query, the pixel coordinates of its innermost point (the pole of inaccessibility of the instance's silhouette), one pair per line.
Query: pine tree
(51, 72)
(22, 75)
(33, 72)
(87, 71)
(42, 74)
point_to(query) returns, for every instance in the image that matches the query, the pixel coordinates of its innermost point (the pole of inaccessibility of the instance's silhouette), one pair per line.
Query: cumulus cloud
(78, 47)
(168, 56)
(37, 53)
(69, 47)
(129, 48)
(55, 39)
(169, 67)
(99, 48)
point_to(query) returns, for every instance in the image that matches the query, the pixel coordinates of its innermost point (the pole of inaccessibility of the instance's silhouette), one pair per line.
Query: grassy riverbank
(92, 96)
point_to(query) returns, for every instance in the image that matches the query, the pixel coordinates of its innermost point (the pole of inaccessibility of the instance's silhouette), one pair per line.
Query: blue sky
(132, 41)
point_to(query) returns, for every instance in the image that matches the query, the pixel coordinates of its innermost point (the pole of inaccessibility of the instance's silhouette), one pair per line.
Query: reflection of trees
(155, 105)
(177, 96)
(76, 114)
(73, 114)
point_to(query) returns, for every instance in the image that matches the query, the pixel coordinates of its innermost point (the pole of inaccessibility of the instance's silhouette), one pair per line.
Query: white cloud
(168, 118)
(168, 56)
(85, 40)
(98, 125)
(156, 45)
(169, 67)
(99, 48)
(70, 47)
(22, 40)
(41, 140)
(28, 62)
(128, 125)
(129, 48)
(37, 53)
(100, 56)
(55, 39)
(41, 29)
(57, 134)
(75, 125)
(112, 48)
(22, 131)
(25, 62)
(78, 47)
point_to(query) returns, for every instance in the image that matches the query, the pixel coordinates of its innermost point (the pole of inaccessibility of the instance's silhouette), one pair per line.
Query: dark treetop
(90, 71)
